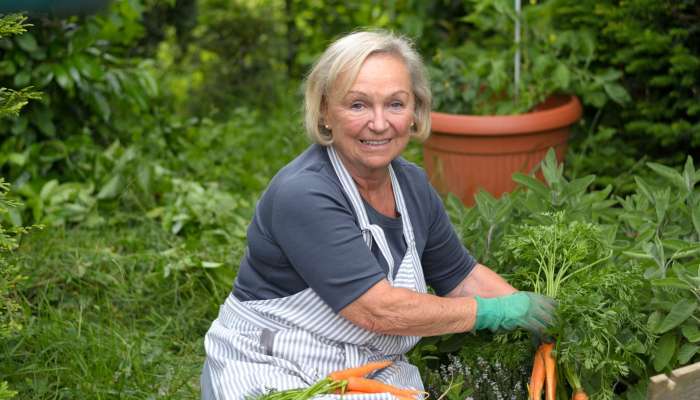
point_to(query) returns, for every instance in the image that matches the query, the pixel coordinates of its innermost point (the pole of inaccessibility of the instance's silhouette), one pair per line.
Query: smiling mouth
(375, 142)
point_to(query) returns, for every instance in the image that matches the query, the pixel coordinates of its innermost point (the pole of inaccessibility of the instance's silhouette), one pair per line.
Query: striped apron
(294, 341)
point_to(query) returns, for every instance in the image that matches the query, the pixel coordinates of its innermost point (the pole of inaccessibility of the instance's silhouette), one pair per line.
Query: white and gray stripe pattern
(292, 342)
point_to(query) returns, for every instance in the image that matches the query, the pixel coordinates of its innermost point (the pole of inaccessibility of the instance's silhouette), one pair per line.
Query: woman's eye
(396, 105)
(356, 105)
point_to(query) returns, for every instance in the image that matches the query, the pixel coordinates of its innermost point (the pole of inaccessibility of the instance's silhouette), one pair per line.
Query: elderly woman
(347, 239)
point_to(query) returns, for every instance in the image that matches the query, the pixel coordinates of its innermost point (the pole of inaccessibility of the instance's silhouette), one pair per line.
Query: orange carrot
(360, 371)
(374, 386)
(550, 370)
(537, 376)
(579, 395)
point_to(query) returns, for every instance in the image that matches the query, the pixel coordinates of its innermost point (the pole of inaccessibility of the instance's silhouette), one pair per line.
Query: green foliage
(632, 310)
(599, 330)
(311, 25)
(660, 52)
(13, 24)
(662, 223)
(9, 277)
(478, 77)
(235, 55)
(91, 94)
(482, 368)
(11, 316)
(555, 250)
(655, 43)
(11, 101)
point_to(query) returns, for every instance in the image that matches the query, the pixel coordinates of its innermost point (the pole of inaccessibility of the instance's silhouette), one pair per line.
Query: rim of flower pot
(555, 112)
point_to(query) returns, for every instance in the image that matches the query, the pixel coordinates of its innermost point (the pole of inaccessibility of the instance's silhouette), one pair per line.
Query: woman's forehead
(386, 65)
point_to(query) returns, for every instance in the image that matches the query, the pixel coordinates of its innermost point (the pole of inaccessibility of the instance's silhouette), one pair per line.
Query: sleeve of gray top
(318, 233)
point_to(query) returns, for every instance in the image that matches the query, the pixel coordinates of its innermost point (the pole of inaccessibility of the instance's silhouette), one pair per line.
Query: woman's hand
(531, 311)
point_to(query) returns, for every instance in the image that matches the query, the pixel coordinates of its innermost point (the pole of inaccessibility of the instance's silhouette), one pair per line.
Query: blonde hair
(345, 56)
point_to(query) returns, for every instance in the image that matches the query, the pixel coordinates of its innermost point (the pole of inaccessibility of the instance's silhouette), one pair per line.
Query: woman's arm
(397, 311)
(482, 282)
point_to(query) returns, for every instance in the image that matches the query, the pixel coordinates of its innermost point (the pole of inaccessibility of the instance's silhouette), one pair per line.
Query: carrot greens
(600, 329)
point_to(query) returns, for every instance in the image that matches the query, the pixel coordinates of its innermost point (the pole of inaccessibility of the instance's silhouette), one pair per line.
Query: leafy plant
(477, 77)
(556, 251)
(560, 235)
(661, 222)
(92, 95)
(599, 330)
(11, 315)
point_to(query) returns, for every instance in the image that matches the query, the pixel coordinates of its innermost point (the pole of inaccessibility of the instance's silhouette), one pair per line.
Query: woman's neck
(377, 191)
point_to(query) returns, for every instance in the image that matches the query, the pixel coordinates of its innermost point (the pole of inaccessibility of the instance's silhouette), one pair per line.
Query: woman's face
(371, 122)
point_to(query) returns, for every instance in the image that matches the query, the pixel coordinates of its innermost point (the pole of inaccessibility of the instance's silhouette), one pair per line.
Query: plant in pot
(508, 94)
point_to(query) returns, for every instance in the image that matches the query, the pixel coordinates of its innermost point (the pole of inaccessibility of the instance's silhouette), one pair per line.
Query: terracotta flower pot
(466, 153)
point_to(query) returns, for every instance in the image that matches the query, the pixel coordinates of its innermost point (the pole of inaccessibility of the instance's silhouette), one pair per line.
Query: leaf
(551, 171)
(88, 67)
(27, 42)
(62, 77)
(211, 264)
(689, 175)
(43, 119)
(691, 332)
(670, 174)
(111, 188)
(687, 251)
(47, 190)
(579, 186)
(686, 352)
(661, 203)
(486, 203)
(670, 282)
(680, 312)
(22, 78)
(638, 255)
(562, 76)
(143, 177)
(102, 105)
(665, 349)
(643, 188)
(695, 216)
(617, 93)
(532, 184)
(451, 343)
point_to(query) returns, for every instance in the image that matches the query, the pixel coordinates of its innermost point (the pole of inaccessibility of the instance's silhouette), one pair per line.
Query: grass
(103, 320)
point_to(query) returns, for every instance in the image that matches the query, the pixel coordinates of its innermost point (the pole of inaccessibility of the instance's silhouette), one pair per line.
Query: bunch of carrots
(347, 382)
(544, 375)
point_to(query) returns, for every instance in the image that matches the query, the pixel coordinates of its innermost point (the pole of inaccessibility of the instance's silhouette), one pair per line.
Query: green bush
(656, 45)
(477, 77)
(628, 305)
(11, 315)
(93, 95)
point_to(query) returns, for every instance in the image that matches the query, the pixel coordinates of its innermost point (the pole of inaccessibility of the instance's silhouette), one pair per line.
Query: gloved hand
(527, 310)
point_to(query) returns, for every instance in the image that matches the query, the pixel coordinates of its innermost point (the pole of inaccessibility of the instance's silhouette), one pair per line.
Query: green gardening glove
(531, 311)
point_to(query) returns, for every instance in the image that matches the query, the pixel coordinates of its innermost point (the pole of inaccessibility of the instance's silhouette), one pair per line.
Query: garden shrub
(11, 315)
(633, 312)
(92, 96)
(235, 55)
(657, 46)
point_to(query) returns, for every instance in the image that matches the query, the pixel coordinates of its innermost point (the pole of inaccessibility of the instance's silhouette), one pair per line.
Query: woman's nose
(378, 122)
